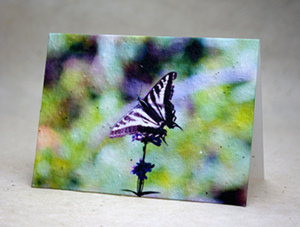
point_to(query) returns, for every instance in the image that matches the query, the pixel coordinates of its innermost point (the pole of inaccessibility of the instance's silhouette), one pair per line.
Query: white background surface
(24, 28)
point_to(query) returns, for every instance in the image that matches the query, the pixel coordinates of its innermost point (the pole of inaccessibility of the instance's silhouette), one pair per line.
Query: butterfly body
(146, 121)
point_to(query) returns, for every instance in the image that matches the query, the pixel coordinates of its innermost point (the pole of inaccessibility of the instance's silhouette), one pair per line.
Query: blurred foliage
(91, 80)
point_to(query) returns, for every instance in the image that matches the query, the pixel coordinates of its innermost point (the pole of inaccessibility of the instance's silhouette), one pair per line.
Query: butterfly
(146, 121)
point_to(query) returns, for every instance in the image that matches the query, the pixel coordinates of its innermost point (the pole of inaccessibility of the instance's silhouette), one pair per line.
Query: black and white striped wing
(159, 100)
(131, 122)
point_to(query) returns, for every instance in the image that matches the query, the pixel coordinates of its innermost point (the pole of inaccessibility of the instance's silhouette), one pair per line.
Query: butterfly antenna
(138, 97)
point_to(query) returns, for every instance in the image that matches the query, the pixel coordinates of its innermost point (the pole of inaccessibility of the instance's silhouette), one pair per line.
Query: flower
(141, 169)
(145, 139)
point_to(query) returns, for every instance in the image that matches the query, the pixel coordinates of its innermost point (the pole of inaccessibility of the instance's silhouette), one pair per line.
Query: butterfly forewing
(161, 94)
(128, 124)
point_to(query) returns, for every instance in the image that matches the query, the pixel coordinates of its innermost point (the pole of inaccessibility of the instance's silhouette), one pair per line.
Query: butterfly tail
(163, 138)
(176, 125)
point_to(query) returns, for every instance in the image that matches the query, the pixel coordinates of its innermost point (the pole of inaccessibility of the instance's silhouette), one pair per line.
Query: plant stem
(144, 150)
(140, 187)
(140, 182)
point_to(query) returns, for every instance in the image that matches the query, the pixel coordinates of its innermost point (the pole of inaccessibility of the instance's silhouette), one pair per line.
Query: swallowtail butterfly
(146, 121)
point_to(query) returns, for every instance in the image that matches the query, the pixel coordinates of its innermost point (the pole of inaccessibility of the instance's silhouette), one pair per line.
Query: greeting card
(162, 117)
